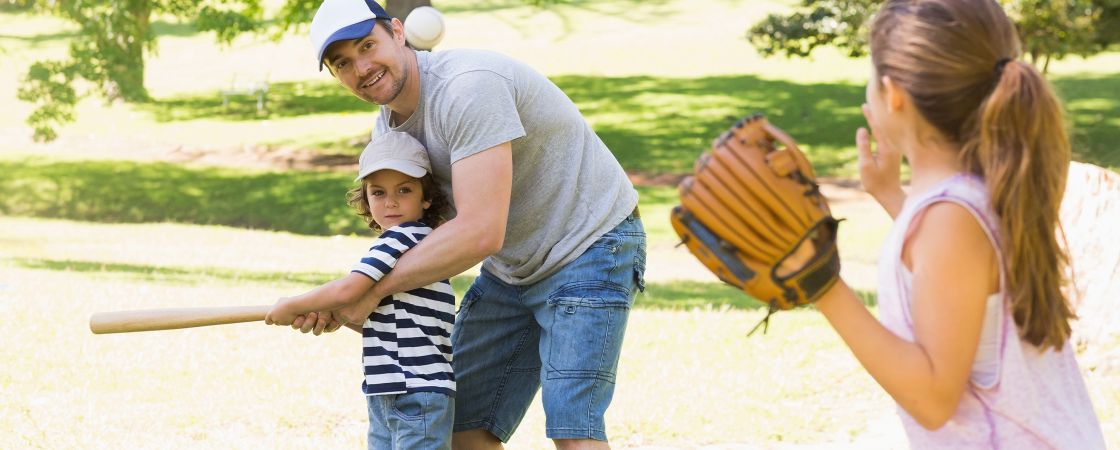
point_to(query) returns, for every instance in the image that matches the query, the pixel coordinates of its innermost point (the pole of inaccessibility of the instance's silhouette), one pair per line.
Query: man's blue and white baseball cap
(341, 20)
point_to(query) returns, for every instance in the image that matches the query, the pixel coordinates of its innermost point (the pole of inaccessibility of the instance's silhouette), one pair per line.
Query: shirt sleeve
(480, 112)
(388, 248)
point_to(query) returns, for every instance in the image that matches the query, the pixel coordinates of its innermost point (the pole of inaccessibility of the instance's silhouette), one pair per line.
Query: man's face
(374, 67)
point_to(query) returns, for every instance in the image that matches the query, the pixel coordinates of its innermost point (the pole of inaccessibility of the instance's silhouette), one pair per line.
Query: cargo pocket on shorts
(587, 330)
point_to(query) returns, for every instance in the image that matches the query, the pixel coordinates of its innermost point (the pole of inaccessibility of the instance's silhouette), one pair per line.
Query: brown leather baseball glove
(754, 215)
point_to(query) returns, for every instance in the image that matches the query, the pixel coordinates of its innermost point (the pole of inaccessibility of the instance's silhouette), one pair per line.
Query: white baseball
(424, 27)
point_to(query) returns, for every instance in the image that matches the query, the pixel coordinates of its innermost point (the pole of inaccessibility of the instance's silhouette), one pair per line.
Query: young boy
(409, 382)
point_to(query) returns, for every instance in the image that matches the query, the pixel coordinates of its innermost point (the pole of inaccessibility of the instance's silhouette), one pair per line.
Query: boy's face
(374, 68)
(394, 198)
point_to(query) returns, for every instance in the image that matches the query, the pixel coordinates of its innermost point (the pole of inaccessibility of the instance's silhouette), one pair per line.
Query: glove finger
(789, 144)
(701, 203)
(750, 130)
(788, 163)
(752, 209)
(759, 132)
(701, 162)
(767, 187)
(749, 229)
(794, 152)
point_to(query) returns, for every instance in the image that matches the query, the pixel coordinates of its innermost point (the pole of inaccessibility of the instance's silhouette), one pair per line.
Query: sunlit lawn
(657, 79)
(689, 374)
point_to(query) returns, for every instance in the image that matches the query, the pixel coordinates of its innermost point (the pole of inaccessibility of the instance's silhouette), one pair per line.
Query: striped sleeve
(383, 254)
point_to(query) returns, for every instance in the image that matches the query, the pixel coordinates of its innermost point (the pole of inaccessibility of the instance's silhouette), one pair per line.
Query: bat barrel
(173, 318)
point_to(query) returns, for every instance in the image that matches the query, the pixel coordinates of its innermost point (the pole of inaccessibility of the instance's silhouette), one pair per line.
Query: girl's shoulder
(964, 189)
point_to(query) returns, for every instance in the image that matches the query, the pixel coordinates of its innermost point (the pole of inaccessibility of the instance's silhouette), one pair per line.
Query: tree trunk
(401, 8)
(124, 48)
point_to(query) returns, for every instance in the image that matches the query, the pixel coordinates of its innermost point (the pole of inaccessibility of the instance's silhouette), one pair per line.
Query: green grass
(130, 192)
(115, 191)
(652, 124)
(162, 235)
(656, 98)
(689, 375)
(658, 124)
(1093, 109)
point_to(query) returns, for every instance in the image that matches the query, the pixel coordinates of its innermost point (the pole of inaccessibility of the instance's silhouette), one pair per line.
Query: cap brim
(404, 167)
(355, 31)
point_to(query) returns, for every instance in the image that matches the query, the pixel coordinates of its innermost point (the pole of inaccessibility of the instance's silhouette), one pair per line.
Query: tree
(116, 35)
(1049, 29)
(816, 23)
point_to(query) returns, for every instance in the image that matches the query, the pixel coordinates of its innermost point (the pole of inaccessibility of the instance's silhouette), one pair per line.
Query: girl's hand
(880, 169)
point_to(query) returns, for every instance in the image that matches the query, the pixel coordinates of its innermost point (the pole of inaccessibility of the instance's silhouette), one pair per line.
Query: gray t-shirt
(568, 189)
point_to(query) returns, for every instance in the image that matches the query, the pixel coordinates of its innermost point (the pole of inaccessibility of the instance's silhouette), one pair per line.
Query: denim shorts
(563, 334)
(410, 421)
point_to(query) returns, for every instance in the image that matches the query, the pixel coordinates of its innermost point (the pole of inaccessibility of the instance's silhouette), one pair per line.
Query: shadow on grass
(130, 192)
(659, 125)
(41, 38)
(195, 275)
(652, 124)
(285, 99)
(114, 191)
(1093, 107)
(173, 274)
(697, 294)
(675, 295)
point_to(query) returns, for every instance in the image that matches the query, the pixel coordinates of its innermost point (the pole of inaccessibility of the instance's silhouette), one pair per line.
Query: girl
(974, 340)
(408, 382)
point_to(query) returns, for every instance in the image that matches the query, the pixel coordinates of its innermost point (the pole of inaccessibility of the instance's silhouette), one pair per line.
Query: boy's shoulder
(415, 230)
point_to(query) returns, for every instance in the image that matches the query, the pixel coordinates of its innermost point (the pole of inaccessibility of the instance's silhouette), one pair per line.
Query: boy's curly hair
(433, 216)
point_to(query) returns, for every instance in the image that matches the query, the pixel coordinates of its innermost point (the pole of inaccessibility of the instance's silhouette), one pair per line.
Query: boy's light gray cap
(397, 151)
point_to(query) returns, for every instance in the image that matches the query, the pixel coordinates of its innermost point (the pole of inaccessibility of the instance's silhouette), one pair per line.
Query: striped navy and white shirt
(407, 340)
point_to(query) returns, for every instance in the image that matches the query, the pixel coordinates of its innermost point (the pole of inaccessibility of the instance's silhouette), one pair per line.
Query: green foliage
(818, 22)
(17, 5)
(228, 22)
(113, 38)
(1055, 28)
(1108, 27)
(1049, 29)
(49, 82)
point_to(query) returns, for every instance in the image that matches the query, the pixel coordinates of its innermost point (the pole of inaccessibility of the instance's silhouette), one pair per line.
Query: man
(537, 197)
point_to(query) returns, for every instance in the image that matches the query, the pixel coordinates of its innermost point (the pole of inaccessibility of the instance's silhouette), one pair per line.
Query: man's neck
(402, 107)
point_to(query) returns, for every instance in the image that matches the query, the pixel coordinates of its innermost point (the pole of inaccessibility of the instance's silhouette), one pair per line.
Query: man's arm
(344, 291)
(481, 184)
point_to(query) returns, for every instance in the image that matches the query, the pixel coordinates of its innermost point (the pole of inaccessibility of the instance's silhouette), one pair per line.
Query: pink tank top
(1018, 397)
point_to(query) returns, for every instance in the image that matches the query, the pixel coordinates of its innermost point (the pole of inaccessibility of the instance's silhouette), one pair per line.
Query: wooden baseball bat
(173, 318)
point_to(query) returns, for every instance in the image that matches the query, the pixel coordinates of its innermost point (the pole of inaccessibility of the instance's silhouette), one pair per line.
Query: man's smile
(375, 79)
